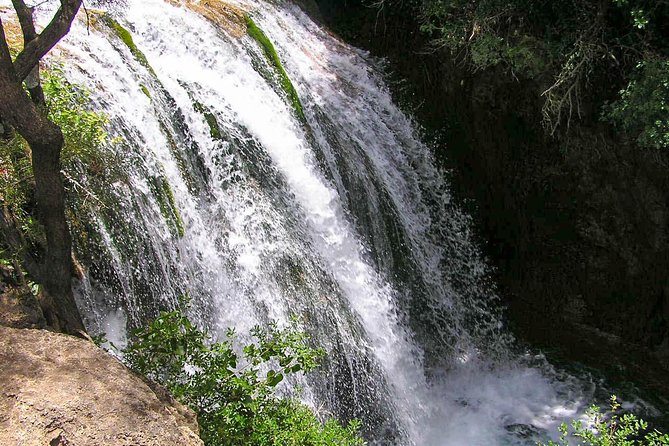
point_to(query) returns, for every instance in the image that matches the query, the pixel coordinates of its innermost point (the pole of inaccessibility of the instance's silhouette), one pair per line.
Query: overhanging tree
(26, 112)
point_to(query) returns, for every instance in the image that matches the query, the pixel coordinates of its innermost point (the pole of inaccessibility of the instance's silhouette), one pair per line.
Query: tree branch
(47, 39)
(5, 56)
(25, 15)
(5, 67)
(27, 22)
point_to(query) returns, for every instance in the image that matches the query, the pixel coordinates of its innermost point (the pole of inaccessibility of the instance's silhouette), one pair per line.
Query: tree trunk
(46, 142)
(57, 271)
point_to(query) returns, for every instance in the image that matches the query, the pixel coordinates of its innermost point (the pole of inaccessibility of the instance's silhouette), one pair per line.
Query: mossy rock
(126, 37)
(145, 90)
(212, 122)
(162, 191)
(265, 43)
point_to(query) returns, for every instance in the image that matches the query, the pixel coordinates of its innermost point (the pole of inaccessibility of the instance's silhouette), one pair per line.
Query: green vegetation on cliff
(212, 122)
(162, 191)
(85, 131)
(233, 392)
(85, 136)
(127, 39)
(643, 106)
(609, 58)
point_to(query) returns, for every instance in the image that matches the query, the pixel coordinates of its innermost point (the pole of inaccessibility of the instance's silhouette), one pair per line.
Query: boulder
(56, 389)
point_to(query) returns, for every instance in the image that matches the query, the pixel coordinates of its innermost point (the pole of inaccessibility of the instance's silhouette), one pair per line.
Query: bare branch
(5, 55)
(47, 39)
(82, 189)
(563, 97)
(25, 15)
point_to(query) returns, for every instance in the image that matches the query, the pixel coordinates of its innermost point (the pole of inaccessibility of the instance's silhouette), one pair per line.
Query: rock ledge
(59, 390)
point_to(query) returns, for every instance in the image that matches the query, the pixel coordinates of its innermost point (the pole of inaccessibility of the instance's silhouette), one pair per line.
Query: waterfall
(262, 191)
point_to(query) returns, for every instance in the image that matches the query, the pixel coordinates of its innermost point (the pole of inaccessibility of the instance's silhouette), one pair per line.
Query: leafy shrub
(613, 430)
(233, 393)
(643, 107)
(85, 131)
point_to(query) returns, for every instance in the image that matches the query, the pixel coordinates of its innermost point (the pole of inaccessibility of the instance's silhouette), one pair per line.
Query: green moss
(145, 90)
(163, 192)
(212, 122)
(259, 36)
(178, 222)
(126, 38)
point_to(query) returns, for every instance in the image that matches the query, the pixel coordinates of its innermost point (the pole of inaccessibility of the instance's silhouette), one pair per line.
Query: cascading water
(258, 207)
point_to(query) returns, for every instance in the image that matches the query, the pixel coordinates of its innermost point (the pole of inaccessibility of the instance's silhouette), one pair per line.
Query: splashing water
(223, 193)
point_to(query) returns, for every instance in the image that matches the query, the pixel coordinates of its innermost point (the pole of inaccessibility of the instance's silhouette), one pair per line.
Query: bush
(612, 430)
(85, 131)
(643, 107)
(233, 393)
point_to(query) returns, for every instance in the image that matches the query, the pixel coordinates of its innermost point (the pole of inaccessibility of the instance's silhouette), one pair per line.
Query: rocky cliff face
(576, 226)
(59, 390)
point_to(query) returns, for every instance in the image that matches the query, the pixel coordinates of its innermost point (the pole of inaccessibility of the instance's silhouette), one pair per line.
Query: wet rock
(576, 226)
(526, 431)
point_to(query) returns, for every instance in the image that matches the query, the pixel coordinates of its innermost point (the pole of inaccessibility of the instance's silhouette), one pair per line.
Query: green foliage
(526, 56)
(487, 51)
(232, 392)
(259, 36)
(7, 262)
(612, 430)
(640, 18)
(84, 130)
(567, 47)
(643, 107)
(85, 137)
(15, 176)
(100, 339)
